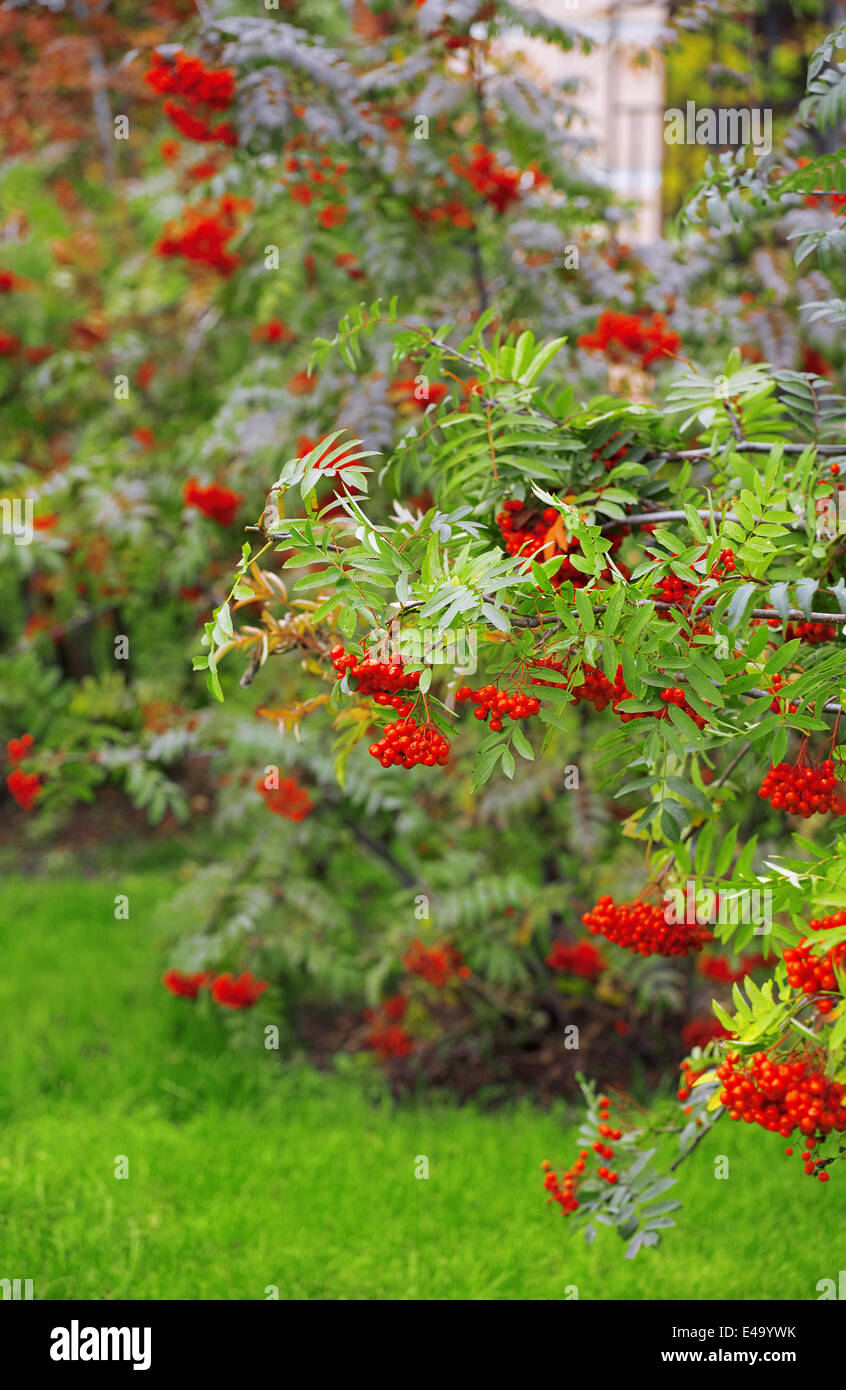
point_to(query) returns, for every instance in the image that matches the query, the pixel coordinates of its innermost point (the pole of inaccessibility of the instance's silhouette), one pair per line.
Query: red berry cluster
(726, 563)
(309, 180)
(189, 78)
(671, 695)
(619, 335)
(386, 1038)
(674, 695)
(204, 232)
(583, 960)
(410, 394)
(811, 633)
(435, 964)
(23, 787)
(523, 528)
(186, 986)
(498, 703)
(526, 530)
(800, 790)
(382, 680)
(595, 689)
(680, 592)
(452, 210)
(815, 974)
(219, 503)
(698, 1033)
(274, 331)
(672, 589)
(781, 706)
(232, 992)
(784, 1096)
(499, 186)
(409, 744)
(288, 800)
(199, 86)
(641, 927)
(718, 968)
(17, 748)
(562, 1190)
(237, 992)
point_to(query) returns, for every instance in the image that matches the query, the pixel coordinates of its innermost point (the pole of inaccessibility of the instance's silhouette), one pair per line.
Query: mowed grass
(245, 1173)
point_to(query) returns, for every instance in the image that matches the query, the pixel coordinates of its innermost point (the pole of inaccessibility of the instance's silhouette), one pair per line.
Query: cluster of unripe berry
(642, 927)
(498, 703)
(784, 1096)
(800, 790)
(815, 974)
(408, 744)
(562, 1190)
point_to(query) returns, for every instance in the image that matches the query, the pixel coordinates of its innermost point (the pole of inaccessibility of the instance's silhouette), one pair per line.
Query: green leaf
(522, 744)
(585, 611)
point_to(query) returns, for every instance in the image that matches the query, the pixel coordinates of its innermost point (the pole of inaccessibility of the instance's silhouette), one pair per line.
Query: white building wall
(621, 102)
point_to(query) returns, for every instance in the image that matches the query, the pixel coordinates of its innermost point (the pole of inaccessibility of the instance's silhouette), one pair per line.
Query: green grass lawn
(245, 1173)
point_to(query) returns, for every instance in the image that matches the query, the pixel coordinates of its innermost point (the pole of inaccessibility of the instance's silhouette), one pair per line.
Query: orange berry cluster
(814, 974)
(562, 1190)
(288, 799)
(380, 679)
(498, 703)
(497, 184)
(799, 790)
(618, 335)
(409, 744)
(436, 965)
(784, 1096)
(641, 927)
